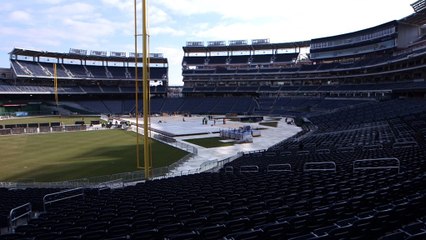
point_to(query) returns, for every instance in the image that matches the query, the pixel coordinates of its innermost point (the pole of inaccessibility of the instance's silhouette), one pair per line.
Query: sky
(107, 25)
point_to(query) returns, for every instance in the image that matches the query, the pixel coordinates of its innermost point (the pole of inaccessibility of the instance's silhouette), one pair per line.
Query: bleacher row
(341, 88)
(294, 106)
(40, 69)
(6, 88)
(240, 59)
(300, 106)
(386, 129)
(16, 197)
(224, 63)
(194, 105)
(289, 204)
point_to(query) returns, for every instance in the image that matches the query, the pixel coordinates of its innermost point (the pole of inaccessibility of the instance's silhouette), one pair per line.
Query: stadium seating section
(356, 170)
(249, 199)
(35, 69)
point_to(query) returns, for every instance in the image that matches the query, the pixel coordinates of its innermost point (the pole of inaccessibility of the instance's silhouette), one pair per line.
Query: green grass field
(67, 156)
(209, 142)
(68, 120)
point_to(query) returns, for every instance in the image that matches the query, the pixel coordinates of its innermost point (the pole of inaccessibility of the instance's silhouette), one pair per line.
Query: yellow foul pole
(146, 93)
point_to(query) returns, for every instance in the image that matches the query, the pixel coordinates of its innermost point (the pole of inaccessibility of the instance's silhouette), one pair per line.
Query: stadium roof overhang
(35, 53)
(418, 18)
(251, 47)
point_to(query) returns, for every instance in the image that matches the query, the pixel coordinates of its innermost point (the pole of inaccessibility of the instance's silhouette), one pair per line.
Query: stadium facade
(381, 62)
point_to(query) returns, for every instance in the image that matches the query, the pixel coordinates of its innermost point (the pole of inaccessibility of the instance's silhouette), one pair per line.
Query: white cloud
(123, 5)
(73, 9)
(281, 20)
(157, 16)
(88, 31)
(166, 31)
(174, 57)
(20, 16)
(80, 24)
(243, 9)
(50, 1)
(6, 7)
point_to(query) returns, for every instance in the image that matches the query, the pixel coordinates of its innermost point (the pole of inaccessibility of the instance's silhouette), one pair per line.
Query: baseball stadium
(321, 138)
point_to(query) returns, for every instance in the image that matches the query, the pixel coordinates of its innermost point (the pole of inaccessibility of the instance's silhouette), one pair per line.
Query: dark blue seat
(246, 235)
(212, 232)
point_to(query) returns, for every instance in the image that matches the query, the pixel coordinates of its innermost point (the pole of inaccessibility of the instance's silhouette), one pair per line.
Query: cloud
(235, 9)
(6, 7)
(242, 9)
(76, 24)
(80, 24)
(166, 31)
(174, 57)
(157, 16)
(18, 38)
(77, 9)
(123, 5)
(53, 2)
(20, 16)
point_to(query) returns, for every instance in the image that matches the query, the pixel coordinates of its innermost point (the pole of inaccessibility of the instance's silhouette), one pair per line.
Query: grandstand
(356, 170)
(91, 79)
(377, 62)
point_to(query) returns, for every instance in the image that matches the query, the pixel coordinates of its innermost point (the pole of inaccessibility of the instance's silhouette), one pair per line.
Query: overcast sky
(107, 25)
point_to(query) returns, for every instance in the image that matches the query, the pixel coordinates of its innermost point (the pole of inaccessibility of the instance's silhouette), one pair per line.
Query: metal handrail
(13, 219)
(276, 167)
(45, 202)
(306, 169)
(398, 166)
(249, 168)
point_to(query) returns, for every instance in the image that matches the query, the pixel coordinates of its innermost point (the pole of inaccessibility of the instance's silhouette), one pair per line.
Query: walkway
(179, 125)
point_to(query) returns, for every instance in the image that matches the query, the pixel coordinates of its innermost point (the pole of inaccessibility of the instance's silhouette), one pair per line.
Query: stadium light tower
(145, 90)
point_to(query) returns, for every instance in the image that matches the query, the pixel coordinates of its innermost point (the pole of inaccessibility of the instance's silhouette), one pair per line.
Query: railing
(166, 173)
(249, 168)
(322, 151)
(79, 193)
(320, 166)
(345, 149)
(286, 167)
(388, 163)
(372, 147)
(174, 165)
(177, 144)
(406, 144)
(221, 163)
(209, 165)
(33, 130)
(18, 213)
(118, 183)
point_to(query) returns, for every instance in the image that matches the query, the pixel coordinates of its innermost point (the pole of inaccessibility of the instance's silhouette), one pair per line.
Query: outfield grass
(67, 156)
(209, 142)
(68, 120)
